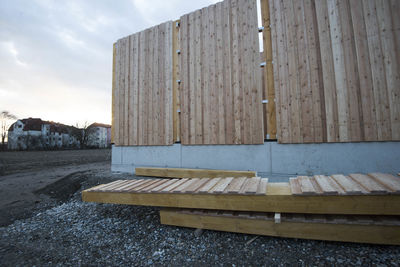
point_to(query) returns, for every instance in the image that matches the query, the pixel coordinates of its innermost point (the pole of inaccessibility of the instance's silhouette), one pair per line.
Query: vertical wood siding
(142, 88)
(221, 90)
(336, 70)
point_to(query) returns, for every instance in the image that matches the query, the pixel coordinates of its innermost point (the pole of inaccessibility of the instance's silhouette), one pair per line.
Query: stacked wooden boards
(318, 207)
(380, 229)
(243, 194)
(190, 173)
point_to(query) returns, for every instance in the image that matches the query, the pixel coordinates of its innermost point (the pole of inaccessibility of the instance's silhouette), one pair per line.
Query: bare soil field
(45, 223)
(25, 161)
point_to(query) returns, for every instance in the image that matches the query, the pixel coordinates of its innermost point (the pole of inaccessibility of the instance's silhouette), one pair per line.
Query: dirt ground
(44, 222)
(27, 178)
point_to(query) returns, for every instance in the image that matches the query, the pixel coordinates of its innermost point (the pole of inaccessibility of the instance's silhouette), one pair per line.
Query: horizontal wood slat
(363, 229)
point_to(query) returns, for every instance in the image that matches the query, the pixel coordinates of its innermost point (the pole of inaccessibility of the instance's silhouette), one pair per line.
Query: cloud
(56, 56)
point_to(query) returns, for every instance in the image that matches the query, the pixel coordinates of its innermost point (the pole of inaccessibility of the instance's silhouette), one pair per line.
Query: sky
(56, 55)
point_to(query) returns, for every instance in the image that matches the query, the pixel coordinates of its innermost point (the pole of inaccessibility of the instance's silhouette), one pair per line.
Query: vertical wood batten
(113, 100)
(269, 87)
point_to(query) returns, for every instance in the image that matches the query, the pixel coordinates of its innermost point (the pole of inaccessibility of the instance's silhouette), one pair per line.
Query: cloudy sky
(56, 56)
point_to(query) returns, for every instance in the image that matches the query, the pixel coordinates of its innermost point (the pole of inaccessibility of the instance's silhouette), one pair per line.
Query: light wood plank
(295, 186)
(388, 180)
(220, 186)
(190, 173)
(306, 186)
(325, 185)
(368, 183)
(174, 185)
(350, 187)
(235, 185)
(209, 185)
(262, 187)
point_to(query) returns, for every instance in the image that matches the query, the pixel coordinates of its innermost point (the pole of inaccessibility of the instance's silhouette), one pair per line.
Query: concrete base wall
(270, 158)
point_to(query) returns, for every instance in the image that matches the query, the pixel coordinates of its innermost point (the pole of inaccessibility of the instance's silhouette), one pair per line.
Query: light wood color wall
(336, 70)
(143, 88)
(221, 90)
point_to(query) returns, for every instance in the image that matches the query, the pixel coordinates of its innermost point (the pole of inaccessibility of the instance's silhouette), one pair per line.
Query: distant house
(34, 133)
(99, 135)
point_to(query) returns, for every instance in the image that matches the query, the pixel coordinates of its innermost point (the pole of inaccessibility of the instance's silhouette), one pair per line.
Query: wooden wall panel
(336, 70)
(142, 88)
(221, 92)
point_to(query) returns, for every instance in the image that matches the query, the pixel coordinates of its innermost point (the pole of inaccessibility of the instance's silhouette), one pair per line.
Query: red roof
(35, 124)
(100, 125)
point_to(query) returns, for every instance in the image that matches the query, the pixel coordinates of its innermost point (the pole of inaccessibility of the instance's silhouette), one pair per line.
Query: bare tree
(83, 132)
(5, 118)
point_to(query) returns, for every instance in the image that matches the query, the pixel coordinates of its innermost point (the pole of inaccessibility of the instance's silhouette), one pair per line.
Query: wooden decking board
(110, 185)
(306, 186)
(209, 185)
(325, 185)
(252, 186)
(295, 186)
(191, 173)
(195, 186)
(350, 187)
(115, 186)
(235, 185)
(368, 183)
(262, 187)
(189, 187)
(179, 189)
(388, 180)
(297, 227)
(157, 184)
(160, 187)
(143, 185)
(172, 186)
(221, 185)
(129, 185)
(255, 194)
(133, 185)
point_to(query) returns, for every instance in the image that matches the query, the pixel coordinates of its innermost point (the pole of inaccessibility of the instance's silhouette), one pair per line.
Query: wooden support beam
(277, 199)
(176, 85)
(375, 234)
(191, 173)
(268, 71)
(113, 108)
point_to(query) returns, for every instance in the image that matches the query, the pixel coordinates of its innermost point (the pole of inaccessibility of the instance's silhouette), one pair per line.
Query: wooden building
(328, 73)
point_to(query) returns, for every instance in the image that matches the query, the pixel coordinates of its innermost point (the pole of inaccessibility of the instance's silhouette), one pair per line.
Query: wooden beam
(113, 95)
(277, 199)
(176, 85)
(268, 71)
(191, 173)
(375, 234)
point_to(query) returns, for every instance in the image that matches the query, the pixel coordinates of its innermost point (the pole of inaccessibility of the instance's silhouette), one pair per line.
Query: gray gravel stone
(76, 233)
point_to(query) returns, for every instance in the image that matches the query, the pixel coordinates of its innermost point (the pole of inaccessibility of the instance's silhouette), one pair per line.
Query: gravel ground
(77, 233)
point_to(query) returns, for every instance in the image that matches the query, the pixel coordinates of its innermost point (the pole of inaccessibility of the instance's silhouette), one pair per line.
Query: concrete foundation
(269, 160)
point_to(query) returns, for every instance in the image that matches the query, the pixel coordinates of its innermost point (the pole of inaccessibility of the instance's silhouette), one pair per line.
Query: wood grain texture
(190, 173)
(142, 88)
(221, 92)
(336, 70)
(312, 227)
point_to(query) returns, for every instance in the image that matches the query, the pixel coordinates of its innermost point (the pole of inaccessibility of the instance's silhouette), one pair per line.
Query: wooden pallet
(362, 229)
(254, 194)
(354, 184)
(191, 173)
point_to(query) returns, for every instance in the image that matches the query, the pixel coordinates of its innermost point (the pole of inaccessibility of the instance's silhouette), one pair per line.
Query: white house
(34, 133)
(99, 135)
